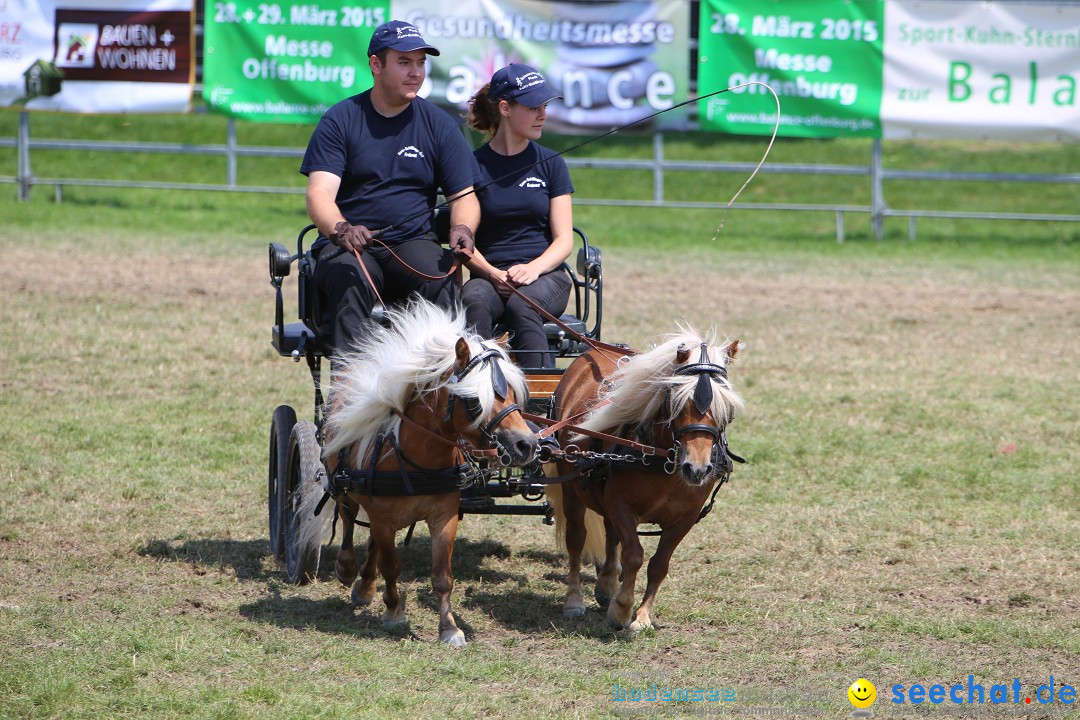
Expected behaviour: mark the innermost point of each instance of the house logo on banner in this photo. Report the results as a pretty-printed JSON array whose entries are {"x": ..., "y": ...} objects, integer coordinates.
[{"x": 76, "y": 44}]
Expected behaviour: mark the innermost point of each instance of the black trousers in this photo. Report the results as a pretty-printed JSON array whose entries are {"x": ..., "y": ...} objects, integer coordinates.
[
  {"x": 484, "y": 309},
  {"x": 345, "y": 297}
]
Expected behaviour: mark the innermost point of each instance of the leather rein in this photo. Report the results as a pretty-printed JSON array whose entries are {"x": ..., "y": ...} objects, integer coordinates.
[
  {"x": 600, "y": 347},
  {"x": 706, "y": 371}
]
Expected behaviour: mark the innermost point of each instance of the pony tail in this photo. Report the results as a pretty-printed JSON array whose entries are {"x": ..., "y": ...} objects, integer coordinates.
[{"x": 484, "y": 112}]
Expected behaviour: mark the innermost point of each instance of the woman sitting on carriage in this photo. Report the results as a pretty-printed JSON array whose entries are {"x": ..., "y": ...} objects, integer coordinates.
[{"x": 526, "y": 227}]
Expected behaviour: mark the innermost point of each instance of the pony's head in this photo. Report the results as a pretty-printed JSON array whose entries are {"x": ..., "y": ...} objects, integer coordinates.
[
  {"x": 482, "y": 407},
  {"x": 702, "y": 402},
  {"x": 427, "y": 361},
  {"x": 680, "y": 386}
]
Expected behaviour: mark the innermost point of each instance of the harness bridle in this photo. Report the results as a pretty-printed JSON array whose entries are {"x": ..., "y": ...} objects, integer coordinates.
[
  {"x": 471, "y": 405},
  {"x": 706, "y": 371}
]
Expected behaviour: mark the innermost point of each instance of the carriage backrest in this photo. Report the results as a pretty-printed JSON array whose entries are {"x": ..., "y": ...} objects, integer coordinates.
[
  {"x": 295, "y": 338},
  {"x": 584, "y": 315}
]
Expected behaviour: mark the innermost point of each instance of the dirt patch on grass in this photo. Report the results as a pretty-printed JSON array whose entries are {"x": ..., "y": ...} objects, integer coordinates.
[{"x": 78, "y": 276}]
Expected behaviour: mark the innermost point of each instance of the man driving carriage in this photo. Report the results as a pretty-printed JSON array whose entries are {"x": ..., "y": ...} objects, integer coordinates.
[{"x": 375, "y": 162}]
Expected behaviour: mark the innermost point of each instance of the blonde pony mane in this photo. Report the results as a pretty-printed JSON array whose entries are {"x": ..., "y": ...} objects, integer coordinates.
[
  {"x": 639, "y": 389},
  {"x": 399, "y": 364}
]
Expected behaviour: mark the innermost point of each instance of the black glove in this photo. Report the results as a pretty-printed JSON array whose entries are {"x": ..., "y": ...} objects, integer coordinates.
[
  {"x": 354, "y": 238},
  {"x": 462, "y": 241}
]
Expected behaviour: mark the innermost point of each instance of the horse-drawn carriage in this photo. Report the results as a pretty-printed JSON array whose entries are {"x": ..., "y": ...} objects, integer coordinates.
[
  {"x": 425, "y": 425},
  {"x": 301, "y": 340}
]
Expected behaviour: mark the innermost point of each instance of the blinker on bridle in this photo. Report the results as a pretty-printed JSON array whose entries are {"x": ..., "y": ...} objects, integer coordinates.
[{"x": 499, "y": 385}]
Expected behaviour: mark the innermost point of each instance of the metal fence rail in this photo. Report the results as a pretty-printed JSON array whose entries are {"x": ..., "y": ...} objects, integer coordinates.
[{"x": 657, "y": 164}]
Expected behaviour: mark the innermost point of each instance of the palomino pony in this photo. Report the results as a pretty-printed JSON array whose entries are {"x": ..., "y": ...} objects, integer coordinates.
[
  {"x": 671, "y": 411},
  {"x": 405, "y": 412}
]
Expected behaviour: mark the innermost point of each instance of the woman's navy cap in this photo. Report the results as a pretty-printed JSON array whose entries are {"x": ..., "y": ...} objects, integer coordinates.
[
  {"x": 522, "y": 84},
  {"x": 400, "y": 36}
]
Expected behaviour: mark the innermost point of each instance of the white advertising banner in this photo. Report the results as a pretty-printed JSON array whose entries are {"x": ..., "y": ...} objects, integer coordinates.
[
  {"x": 1006, "y": 70},
  {"x": 78, "y": 56}
]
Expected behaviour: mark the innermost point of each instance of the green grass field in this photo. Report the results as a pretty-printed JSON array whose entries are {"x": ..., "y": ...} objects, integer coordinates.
[{"x": 908, "y": 513}]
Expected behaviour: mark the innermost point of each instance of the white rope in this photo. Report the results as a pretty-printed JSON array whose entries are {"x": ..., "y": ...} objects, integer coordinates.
[{"x": 776, "y": 128}]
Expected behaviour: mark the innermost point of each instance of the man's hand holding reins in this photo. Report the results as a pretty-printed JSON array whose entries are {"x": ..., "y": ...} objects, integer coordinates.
[
  {"x": 462, "y": 241},
  {"x": 500, "y": 282},
  {"x": 352, "y": 238}
]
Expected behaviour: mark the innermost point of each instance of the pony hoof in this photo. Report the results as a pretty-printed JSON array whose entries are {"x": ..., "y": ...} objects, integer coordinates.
[
  {"x": 454, "y": 639},
  {"x": 637, "y": 626},
  {"x": 345, "y": 578},
  {"x": 394, "y": 623},
  {"x": 574, "y": 611},
  {"x": 601, "y": 599},
  {"x": 358, "y": 599}
]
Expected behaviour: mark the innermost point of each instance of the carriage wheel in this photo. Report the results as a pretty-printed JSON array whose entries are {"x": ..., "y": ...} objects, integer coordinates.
[
  {"x": 301, "y": 493},
  {"x": 280, "y": 428}
]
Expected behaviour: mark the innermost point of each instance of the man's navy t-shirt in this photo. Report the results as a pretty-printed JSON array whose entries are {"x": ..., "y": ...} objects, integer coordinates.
[
  {"x": 390, "y": 168},
  {"x": 515, "y": 199}
]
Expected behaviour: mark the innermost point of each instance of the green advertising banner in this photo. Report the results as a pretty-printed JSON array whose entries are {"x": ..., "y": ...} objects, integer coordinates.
[
  {"x": 287, "y": 61},
  {"x": 822, "y": 57}
]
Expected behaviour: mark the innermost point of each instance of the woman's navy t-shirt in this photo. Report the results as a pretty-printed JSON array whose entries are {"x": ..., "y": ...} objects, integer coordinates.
[
  {"x": 390, "y": 167},
  {"x": 515, "y": 194}
]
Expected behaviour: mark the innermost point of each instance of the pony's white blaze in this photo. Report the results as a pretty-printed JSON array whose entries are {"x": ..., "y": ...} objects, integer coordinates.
[
  {"x": 411, "y": 358},
  {"x": 640, "y": 388}
]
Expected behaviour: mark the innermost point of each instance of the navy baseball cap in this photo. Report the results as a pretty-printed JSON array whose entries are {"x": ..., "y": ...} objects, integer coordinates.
[
  {"x": 400, "y": 36},
  {"x": 521, "y": 83}
]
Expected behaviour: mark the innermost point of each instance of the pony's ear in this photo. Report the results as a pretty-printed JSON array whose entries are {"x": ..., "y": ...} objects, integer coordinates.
[
  {"x": 503, "y": 341},
  {"x": 682, "y": 354},
  {"x": 731, "y": 350},
  {"x": 462, "y": 351}
]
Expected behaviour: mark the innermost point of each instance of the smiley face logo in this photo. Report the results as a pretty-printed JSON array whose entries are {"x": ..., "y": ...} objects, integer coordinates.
[{"x": 862, "y": 693}]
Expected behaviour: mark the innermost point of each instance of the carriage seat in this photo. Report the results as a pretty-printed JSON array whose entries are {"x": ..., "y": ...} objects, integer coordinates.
[
  {"x": 561, "y": 342},
  {"x": 303, "y": 339}
]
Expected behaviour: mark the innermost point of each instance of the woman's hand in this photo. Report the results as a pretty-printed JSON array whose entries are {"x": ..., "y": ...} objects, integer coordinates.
[{"x": 522, "y": 275}]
